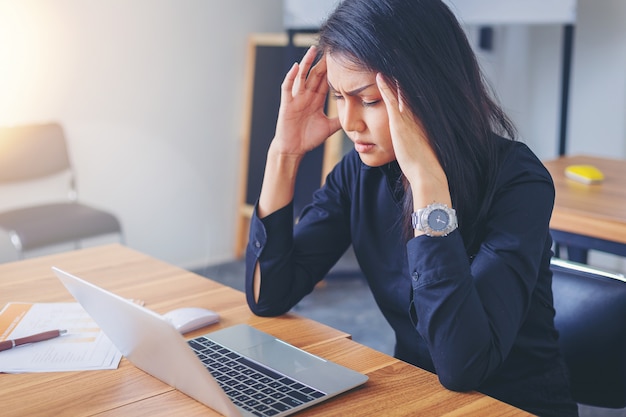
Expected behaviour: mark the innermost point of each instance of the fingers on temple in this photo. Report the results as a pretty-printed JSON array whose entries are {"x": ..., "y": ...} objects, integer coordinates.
[
  {"x": 303, "y": 69},
  {"x": 288, "y": 82},
  {"x": 388, "y": 96},
  {"x": 305, "y": 75},
  {"x": 317, "y": 77},
  {"x": 307, "y": 61},
  {"x": 392, "y": 97}
]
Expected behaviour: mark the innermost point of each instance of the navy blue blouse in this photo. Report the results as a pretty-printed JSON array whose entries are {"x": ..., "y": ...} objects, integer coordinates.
[{"x": 482, "y": 321}]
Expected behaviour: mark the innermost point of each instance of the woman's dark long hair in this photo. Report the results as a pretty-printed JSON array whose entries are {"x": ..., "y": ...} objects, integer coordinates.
[{"x": 420, "y": 45}]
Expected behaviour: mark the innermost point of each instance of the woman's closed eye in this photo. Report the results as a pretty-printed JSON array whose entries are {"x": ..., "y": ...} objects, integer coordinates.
[
  {"x": 370, "y": 103},
  {"x": 364, "y": 103}
]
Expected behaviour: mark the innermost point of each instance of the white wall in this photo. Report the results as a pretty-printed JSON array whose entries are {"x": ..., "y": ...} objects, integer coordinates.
[
  {"x": 151, "y": 95},
  {"x": 598, "y": 113},
  {"x": 514, "y": 11},
  {"x": 524, "y": 65},
  {"x": 525, "y": 69},
  {"x": 306, "y": 13}
]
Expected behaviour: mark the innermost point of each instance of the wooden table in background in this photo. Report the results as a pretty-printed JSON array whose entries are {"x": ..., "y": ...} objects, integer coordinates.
[
  {"x": 394, "y": 388},
  {"x": 589, "y": 216}
]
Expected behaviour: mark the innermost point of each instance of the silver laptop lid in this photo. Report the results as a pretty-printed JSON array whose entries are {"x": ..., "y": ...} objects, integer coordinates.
[{"x": 150, "y": 342}]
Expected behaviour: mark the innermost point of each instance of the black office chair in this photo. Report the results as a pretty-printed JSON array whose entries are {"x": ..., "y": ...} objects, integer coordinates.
[
  {"x": 33, "y": 152},
  {"x": 591, "y": 319}
]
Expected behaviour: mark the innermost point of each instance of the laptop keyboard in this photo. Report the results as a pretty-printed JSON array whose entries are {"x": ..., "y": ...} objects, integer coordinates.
[{"x": 249, "y": 385}]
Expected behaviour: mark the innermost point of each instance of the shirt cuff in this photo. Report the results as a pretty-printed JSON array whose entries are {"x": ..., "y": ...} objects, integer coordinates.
[
  {"x": 280, "y": 223},
  {"x": 432, "y": 259}
]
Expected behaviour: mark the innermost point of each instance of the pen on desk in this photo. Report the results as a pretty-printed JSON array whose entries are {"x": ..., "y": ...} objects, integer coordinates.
[{"x": 39, "y": 337}]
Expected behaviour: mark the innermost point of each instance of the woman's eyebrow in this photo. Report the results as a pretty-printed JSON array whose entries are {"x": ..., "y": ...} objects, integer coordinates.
[{"x": 354, "y": 92}]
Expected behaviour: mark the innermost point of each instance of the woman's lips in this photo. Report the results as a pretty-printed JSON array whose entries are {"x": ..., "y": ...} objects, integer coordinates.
[{"x": 362, "y": 147}]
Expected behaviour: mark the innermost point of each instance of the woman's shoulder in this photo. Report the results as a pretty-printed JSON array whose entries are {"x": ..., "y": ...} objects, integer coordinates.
[{"x": 519, "y": 160}]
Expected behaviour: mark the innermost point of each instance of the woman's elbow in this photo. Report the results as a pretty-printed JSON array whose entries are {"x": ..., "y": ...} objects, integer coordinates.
[
  {"x": 263, "y": 312},
  {"x": 458, "y": 382},
  {"x": 264, "y": 309},
  {"x": 462, "y": 378},
  {"x": 468, "y": 370}
]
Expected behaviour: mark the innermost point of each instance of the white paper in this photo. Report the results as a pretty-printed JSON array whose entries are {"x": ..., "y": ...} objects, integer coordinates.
[{"x": 83, "y": 347}]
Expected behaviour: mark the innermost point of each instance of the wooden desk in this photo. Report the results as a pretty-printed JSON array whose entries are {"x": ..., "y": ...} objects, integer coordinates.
[
  {"x": 394, "y": 388},
  {"x": 590, "y": 216}
]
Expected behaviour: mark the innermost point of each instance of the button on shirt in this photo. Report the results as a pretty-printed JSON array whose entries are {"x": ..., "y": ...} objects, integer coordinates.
[{"x": 482, "y": 322}]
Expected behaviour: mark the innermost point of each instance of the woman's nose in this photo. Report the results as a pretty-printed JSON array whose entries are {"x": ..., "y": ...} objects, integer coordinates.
[{"x": 352, "y": 119}]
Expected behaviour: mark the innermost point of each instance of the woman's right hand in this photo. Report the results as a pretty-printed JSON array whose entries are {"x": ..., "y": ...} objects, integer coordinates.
[{"x": 302, "y": 124}]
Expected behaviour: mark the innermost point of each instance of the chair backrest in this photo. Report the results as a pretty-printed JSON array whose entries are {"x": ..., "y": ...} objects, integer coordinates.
[
  {"x": 32, "y": 151},
  {"x": 591, "y": 319}
]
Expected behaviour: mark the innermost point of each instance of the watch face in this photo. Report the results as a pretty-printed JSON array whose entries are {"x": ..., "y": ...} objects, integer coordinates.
[
  {"x": 438, "y": 220},
  {"x": 435, "y": 220}
]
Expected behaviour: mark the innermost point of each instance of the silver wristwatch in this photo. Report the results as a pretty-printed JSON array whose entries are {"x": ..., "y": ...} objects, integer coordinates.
[{"x": 435, "y": 220}]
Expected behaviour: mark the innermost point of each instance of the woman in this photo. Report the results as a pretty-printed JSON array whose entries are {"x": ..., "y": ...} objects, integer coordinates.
[{"x": 447, "y": 218}]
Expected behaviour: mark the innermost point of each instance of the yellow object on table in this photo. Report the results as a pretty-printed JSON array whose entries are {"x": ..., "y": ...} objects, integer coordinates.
[{"x": 587, "y": 174}]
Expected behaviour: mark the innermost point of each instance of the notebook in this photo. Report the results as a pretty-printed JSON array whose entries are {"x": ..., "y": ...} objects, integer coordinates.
[{"x": 237, "y": 371}]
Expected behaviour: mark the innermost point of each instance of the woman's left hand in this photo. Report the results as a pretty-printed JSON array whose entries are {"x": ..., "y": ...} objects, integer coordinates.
[{"x": 415, "y": 155}]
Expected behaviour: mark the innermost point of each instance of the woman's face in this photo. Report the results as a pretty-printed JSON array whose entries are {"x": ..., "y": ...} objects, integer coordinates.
[{"x": 361, "y": 110}]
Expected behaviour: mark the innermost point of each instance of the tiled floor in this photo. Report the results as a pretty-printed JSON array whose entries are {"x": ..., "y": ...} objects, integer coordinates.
[{"x": 345, "y": 303}]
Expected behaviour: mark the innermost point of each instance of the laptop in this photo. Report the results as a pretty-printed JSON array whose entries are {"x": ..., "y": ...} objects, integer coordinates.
[{"x": 236, "y": 371}]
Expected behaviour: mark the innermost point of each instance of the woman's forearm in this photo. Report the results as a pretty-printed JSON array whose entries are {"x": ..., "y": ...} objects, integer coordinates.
[
  {"x": 279, "y": 182},
  {"x": 277, "y": 191}
]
